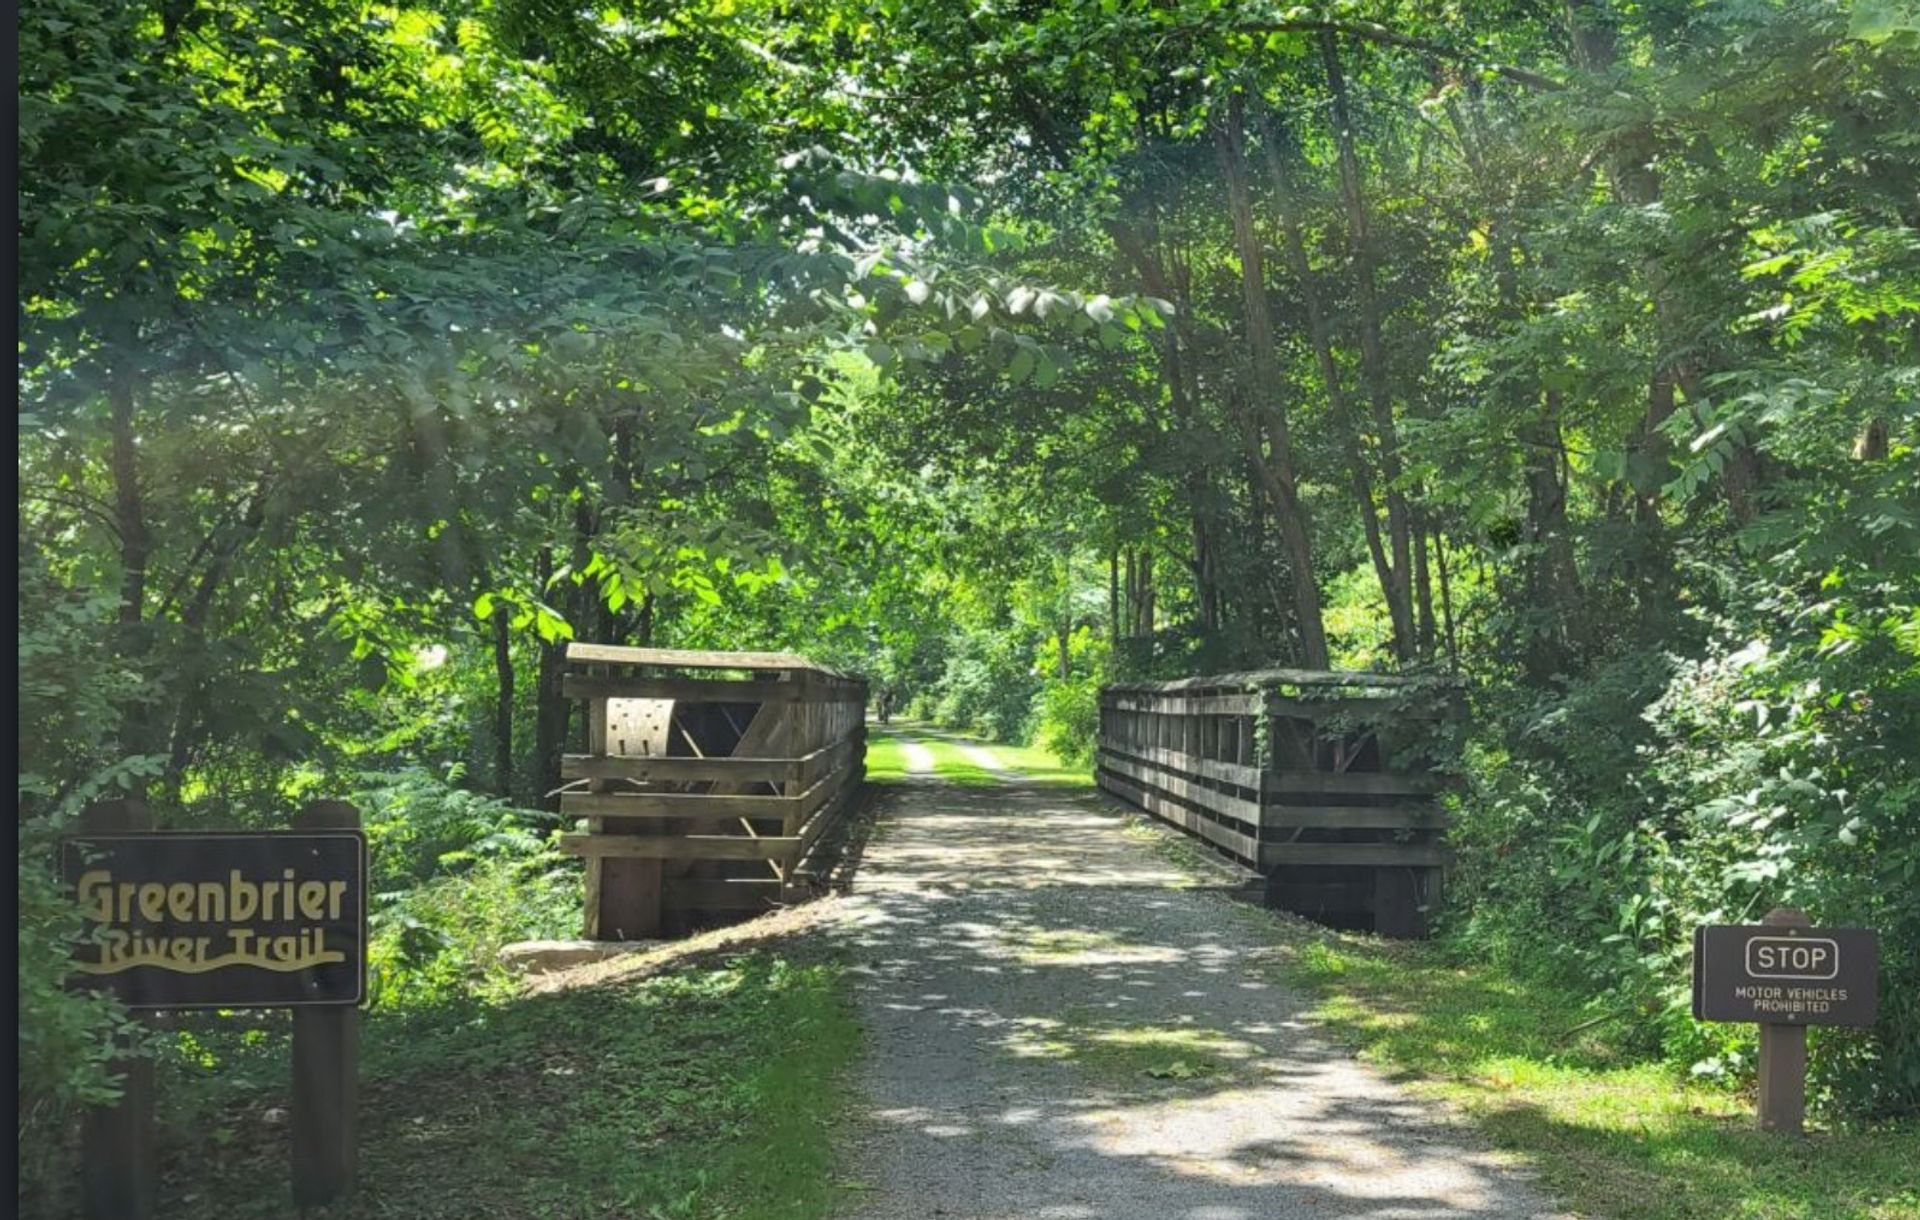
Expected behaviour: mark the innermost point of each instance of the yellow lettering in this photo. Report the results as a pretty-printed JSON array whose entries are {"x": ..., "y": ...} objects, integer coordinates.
[
  {"x": 96, "y": 895},
  {"x": 127, "y": 889},
  {"x": 313, "y": 899},
  {"x": 180, "y": 901},
  {"x": 213, "y": 902},
  {"x": 336, "y": 897},
  {"x": 246, "y": 897},
  {"x": 153, "y": 902}
]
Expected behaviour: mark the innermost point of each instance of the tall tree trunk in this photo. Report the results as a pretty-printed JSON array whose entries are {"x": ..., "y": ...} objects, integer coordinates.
[
  {"x": 1320, "y": 335},
  {"x": 1113, "y": 597},
  {"x": 129, "y": 507},
  {"x": 1373, "y": 359},
  {"x": 503, "y": 704},
  {"x": 1277, "y": 468},
  {"x": 1446, "y": 601},
  {"x": 551, "y": 709},
  {"x": 1145, "y": 251},
  {"x": 1422, "y": 585}
]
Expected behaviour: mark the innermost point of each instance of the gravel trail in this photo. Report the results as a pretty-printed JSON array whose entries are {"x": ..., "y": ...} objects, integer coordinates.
[{"x": 1061, "y": 1028}]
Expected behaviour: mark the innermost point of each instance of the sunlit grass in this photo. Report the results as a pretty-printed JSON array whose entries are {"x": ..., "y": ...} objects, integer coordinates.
[
  {"x": 1030, "y": 764},
  {"x": 1133, "y": 1056},
  {"x": 886, "y": 757},
  {"x": 952, "y": 763},
  {"x": 1611, "y": 1133}
]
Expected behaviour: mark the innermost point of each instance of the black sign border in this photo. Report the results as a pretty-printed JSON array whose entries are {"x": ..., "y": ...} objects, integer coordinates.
[{"x": 359, "y": 837}]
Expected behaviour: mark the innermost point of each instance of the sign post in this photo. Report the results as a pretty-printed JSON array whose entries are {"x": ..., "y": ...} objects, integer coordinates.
[
  {"x": 118, "y": 1170},
  {"x": 326, "y": 1069},
  {"x": 1785, "y": 974},
  {"x": 227, "y": 919},
  {"x": 1783, "y": 1055}
]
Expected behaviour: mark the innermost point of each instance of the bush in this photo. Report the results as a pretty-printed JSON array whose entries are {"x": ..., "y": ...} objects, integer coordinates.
[
  {"x": 1606, "y": 822},
  {"x": 1068, "y": 715},
  {"x": 457, "y": 875},
  {"x": 989, "y": 685}
]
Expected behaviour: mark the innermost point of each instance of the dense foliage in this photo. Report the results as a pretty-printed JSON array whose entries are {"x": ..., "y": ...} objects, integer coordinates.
[{"x": 371, "y": 352}]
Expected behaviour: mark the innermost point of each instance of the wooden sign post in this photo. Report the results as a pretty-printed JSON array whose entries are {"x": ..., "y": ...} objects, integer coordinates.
[
  {"x": 1785, "y": 974},
  {"x": 118, "y": 1169},
  {"x": 230, "y": 919},
  {"x": 1783, "y": 1054},
  {"x": 326, "y": 1066}
]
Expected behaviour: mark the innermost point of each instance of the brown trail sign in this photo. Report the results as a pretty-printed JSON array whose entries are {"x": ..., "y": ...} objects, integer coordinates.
[
  {"x": 239, "y": 919},
  {"x": 1786, "y": 975}
]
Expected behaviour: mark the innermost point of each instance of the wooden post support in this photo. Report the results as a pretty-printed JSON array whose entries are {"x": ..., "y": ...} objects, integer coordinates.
[
  {"x": 117, "y": 1163},
  {"x": 1783, "y": 1055},
  {"x": 326, "y": 1069}
]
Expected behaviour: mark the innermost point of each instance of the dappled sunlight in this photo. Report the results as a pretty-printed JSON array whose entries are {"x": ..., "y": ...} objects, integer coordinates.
[{"x": 1058, "y": 1026}]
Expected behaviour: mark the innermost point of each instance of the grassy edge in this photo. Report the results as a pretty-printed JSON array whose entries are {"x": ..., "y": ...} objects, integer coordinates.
[{"x": 1608, "y": 1133}]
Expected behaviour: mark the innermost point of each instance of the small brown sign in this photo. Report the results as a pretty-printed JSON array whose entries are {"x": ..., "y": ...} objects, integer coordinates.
[
  {"x": 242, "y": 919},
  {"x": 1785, "y": 975}
]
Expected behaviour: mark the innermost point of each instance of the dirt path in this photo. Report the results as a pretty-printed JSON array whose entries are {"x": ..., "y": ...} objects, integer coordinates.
[{"x": 1059, "y": 1031}]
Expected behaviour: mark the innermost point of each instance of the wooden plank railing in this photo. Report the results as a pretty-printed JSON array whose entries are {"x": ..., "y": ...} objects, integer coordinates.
[
  {"x": 705, "y": 795},
  {"x": 1289, "y": 773}
]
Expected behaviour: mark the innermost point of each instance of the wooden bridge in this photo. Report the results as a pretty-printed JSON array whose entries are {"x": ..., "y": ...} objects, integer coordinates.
[
  {"x": 1322, "y": 782},
  {"x": 709, "y": 782}
]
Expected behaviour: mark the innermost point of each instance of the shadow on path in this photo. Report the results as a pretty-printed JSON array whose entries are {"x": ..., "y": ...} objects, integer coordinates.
[{"x": 1059, "y": 1029}]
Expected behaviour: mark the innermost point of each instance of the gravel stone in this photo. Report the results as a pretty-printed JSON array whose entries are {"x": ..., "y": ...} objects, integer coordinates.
[{"x": 1061, "y": 1027}]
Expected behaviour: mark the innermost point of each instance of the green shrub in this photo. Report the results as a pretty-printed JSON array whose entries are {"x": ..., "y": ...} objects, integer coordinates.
[
  {"x": 989, "y": 685},
  {"x": 457, "y": 874},
  {"x": 1605, "y": 822},
  {"x": 1068, "y": 715}
]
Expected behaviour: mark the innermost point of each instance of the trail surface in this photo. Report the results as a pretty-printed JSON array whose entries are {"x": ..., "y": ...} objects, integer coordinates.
[{"x": 1062, "y": 1028}]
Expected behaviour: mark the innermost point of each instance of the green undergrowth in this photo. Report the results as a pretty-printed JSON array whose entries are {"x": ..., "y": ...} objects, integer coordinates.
[
  {"x": 1611, "y": 1133},
  {"x": 695, "y": 1095}
]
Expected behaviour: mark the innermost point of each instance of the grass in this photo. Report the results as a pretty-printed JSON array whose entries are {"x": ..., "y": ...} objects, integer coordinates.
[
  {"x": 1611, "y": 1134},
  {"x": 1133, "y": 1057},
  {"x": 886, "y": 757},
  {"x": 1033, "y": 764},
  {"x": 1039, "y": 765},
  {"x": 686, "y": 1096},
  {"x": 952, "y": 764}
]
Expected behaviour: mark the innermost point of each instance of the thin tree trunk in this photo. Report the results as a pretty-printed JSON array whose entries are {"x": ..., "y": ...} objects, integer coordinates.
[
  {"x": 1373, "y": 360},
  {"x": 1422, "y": 584},
  {"x": 551, "y": 710},
  {"x": 1446, "y": 601},
  {"x": 1320, "y": 334},
  {"x": 129, "y": 507},
  {"x": 1278, "y": 471},
  {"x": 503, "y": 704},
  {"x": 1113, "y": 597}
]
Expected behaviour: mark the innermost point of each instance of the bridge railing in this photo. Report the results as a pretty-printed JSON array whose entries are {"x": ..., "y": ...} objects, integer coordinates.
[
  {"x": 709, "y": 783},
  {"x": 1326, "y": 783}
]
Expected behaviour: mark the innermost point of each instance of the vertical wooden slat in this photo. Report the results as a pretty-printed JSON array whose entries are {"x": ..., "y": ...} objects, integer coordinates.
[{"x": 326, "y": 1070}]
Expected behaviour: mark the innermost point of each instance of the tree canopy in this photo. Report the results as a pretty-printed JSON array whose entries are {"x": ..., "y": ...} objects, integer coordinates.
[{"x": 370, "y": 352}]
